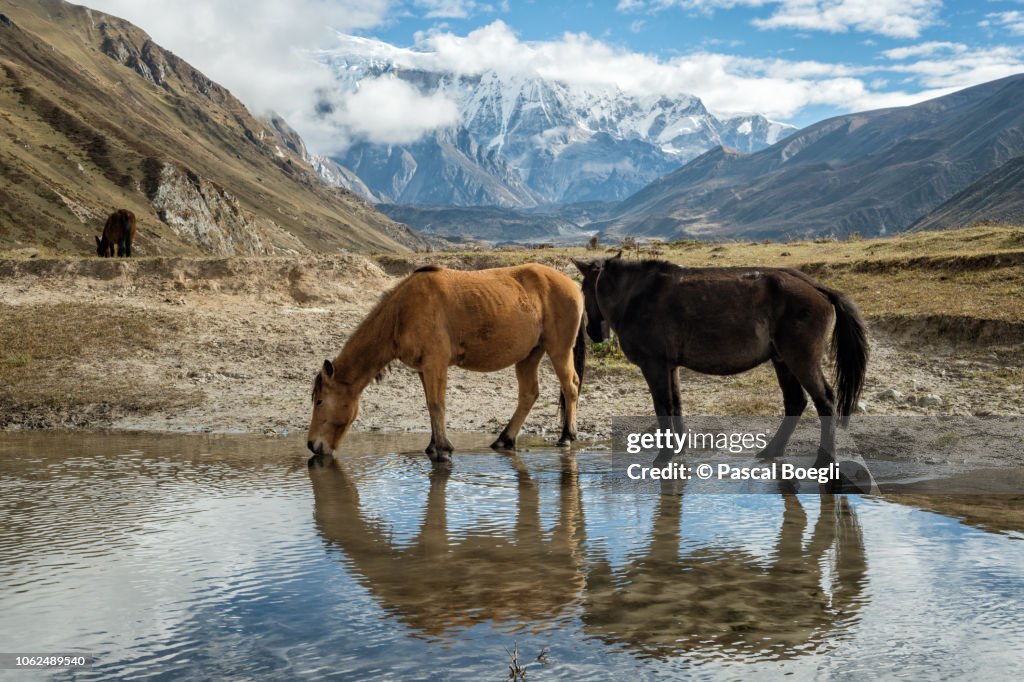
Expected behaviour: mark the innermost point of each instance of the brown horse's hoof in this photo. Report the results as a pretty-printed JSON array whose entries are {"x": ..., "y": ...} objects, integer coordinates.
[
  {"x": 564, "y": 442},
  {"x": 504, "y": 442},
  {"x": 440, "y": 458},
  {"x": 769, "y": 454},
  {"x": 439, "y": 455}
]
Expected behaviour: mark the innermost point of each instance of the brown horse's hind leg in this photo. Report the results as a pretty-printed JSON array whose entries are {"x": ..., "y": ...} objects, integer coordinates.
[
  {"x": 435, "y": 384},
  {"x": 562, "y": 361},
  {"x": 795, "y": 401},
  {"x": 529, "y": 389}
]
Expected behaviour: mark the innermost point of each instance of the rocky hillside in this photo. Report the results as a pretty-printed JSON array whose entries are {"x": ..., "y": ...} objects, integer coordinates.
[
  {"x": 996, "y": 198},
  {"x": 875, "y": 172},
  {"x": 96, "y": 116},
  {"x": 523, "y": 140}
]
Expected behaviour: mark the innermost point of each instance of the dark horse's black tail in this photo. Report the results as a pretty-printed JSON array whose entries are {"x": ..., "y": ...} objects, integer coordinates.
[
  {"x": 849, "y": 352},
  {"x": 579, "y": 361}
]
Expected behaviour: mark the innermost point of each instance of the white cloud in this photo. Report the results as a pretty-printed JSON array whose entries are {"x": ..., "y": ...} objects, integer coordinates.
[
  {"x": 446, "y": 9},
  {"x": 390, "y": 111},
  {"x": 1011, "y": 21},
  {"x": 726, "y": 83},
  {"x": 893, "y": 18},
  {"x": 259, "y": 49},
  {"x": 265, "y": 56},
  {"x": 924, "y": 49},
  {"x": 967, "y": 68}
]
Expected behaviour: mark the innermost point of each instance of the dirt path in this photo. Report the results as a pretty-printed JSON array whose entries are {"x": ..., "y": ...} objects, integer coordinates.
[{"x": 232, "y": 345}]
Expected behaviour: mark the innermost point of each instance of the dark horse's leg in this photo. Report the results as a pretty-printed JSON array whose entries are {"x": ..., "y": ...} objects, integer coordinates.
[
  {"x": 795, "y": 401},
  {"x": 663, "y": 382},
  {"x": 677, "y": 403},
  {"x": 435, "y": 384},
  {"x": 121, "y": 245},
  {"x": 660, "y": 382},
  {"x": 808, "y": 372},
  {"x": 529, "y": 389}
]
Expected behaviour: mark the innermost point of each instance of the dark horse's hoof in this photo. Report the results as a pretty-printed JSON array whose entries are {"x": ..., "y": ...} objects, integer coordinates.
[
  {"x": 504, "y": 442},
  {"x": 769, "y": 453},
  {"x": 564, "y": 442}
]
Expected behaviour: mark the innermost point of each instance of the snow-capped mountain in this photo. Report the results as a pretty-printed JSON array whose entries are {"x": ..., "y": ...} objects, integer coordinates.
[{"x": 523, "y": 141}]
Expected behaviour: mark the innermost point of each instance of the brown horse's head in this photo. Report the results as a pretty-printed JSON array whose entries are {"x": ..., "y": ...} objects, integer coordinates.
[
  {"x": 335, "y": 406},
  {"x": 591, "y": 270},
  {"x": 102, "y": 247}
]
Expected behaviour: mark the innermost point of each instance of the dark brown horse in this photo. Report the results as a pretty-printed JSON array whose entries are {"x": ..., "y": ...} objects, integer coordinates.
[
  {"x": 726, "y": 321},
  {"x": 118, "y": 233}
]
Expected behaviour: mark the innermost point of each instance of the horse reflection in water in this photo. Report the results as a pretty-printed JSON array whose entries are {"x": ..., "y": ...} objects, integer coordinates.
[
  {"x": 710, "y": 601},
  {"x": 725, "y": 602},
  {"x": 436, "y": 584}
]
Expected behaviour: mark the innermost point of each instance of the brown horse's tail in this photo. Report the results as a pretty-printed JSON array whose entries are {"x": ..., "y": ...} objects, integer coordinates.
[
  {"x": 579, "y": 361},
  {"x": 849, "y": 352}
]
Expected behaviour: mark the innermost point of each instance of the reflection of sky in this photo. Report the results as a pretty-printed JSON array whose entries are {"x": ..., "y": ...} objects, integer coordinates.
[{"x": 210, "y": 580}]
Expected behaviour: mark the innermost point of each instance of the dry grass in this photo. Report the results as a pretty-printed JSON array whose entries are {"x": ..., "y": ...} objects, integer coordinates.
[
  {"x": 43, "y": 344},
  {"x": 975, "y": 272}
]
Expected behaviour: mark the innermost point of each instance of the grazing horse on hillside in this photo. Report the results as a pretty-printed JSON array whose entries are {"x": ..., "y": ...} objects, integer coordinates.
[
  {"x": 726, "y": 321},
  {"x": 483, "y": 321},
  {"x": 119, "y": 233}
]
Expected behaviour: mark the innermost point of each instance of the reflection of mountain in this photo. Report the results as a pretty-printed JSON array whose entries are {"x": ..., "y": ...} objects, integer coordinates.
[
  {"x": 439, "y": 584},
  {"x": 722, "y": 599}
]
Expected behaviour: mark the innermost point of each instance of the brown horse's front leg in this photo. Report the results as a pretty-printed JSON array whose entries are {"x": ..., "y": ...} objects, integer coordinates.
[{"x": 435, "y": 384}]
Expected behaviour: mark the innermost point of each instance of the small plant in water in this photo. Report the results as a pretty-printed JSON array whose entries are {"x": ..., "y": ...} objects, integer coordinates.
[{"x": 517, "y": 671}]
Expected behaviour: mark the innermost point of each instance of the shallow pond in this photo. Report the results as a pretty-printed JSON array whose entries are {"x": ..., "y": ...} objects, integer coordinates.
[{"x": 226, "y": 556}]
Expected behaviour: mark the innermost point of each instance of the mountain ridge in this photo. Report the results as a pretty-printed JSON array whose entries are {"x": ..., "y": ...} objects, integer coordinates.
[
  {"x": 524, "y": 141},
  {"x": 98, "y": 116},
  {"x": 872, "y": 172}
]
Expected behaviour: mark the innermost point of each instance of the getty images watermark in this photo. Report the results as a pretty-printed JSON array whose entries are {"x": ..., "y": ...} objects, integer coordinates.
[
  {"x": 668, "y": 440},
  {"x": 942, "y": 454}
]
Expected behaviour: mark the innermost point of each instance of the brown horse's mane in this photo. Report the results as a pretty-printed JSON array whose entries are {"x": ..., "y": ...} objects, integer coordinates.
[{"x": 381, "y": 322}]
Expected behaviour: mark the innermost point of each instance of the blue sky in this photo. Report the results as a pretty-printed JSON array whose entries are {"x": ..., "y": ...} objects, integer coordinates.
[{"x": 796, "y": 61}]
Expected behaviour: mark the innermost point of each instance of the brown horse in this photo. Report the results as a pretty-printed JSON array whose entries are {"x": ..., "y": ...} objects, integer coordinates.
[
  {"x": 726, "y": 321},
  {"x": 119, "y": 233},
  {"x": 482, "y": 321}
]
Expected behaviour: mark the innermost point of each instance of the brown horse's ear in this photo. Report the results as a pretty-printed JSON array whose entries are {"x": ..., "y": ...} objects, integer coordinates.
[
  {"x": 98, "y": 242},
  {"x": 328, "y": 369},
  {"x": 616, "y": 256}
]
